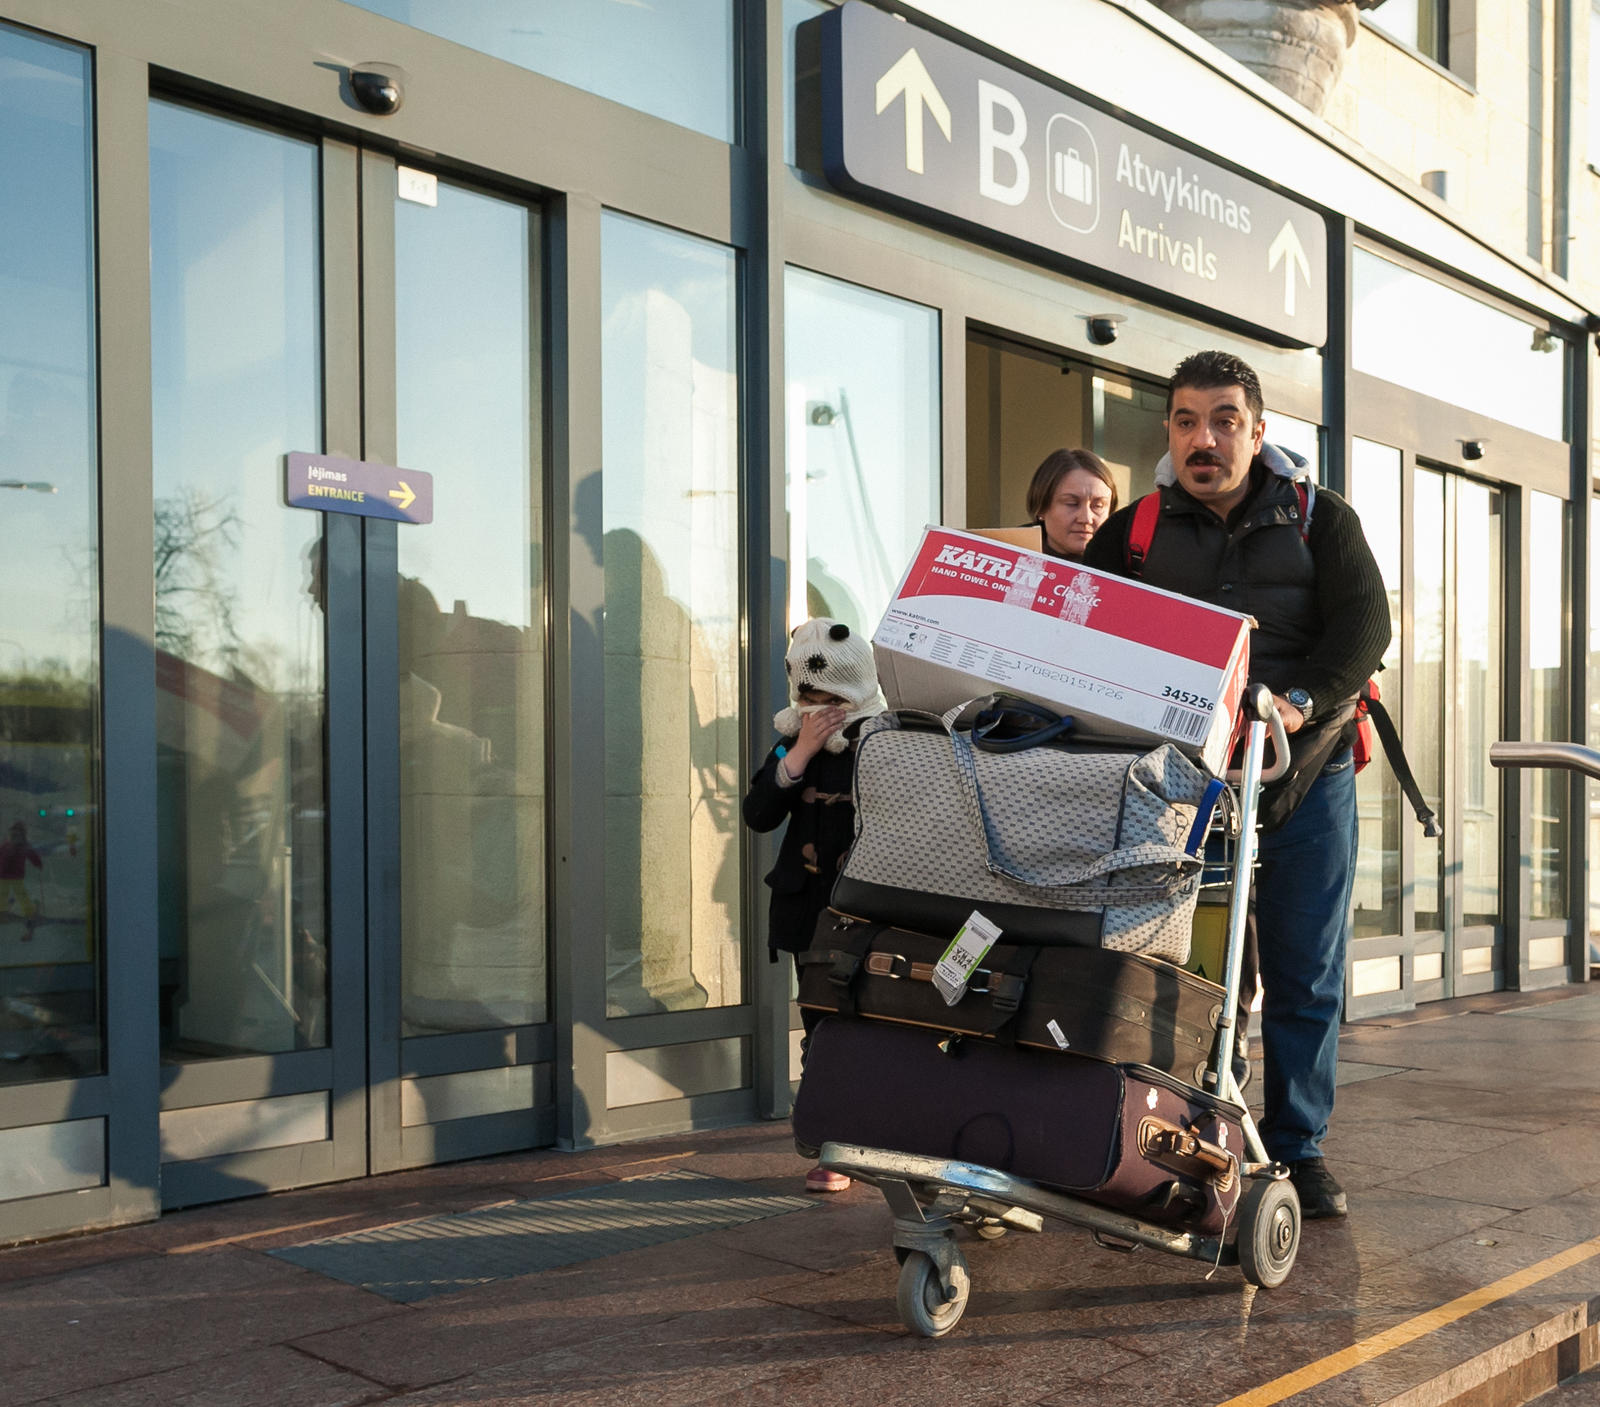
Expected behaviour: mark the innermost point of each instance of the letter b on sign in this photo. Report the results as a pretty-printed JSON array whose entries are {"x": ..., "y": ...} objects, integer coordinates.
[
  {"x": 1074, "y": 173},
  {"x": 994, "y": 142}
]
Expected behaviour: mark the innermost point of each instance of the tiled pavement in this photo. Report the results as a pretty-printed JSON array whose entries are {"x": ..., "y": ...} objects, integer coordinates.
[{"x": 1468, "y": 1136}]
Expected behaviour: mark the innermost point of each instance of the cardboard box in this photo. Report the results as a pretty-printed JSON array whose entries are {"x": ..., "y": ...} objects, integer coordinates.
[
  {"x": 1029, "y": 538},
  {"x": 973, "y": 616}
]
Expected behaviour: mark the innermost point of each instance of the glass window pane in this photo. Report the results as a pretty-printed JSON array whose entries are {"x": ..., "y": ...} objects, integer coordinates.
[
  {"x": 1594, "y": 82},
  {"x": 1419, "y": 334},
  {"x": 1301, "y": 436},
  {"x": 1375, "y": 495},
  {"x": 472, "y": 662},
  {"x": 669, "y": 511},
  {"x": 671, "y": 60},
  {"x": 1547, "y": 712},
  {"x": 50, "y": 940},
  {"x": 862, "y": 444},
  {"x": 1129, "y": 432},
  {"x": 1428, "y": 686},
  {"x": 1419, "y": 23},
  {"x": 1479, "y": 704},
  {"x": 235, "y": 245}
]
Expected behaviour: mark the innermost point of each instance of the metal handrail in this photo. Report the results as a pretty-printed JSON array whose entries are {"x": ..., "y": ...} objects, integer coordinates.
[{"x": 1570, "y": 756}]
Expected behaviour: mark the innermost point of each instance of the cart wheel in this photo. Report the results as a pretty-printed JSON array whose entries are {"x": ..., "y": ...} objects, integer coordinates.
[
  {"x": 1269, "y": 1232},
  {"x": 923, "y": 1308},
  {"x": 991, "y": 1230}
]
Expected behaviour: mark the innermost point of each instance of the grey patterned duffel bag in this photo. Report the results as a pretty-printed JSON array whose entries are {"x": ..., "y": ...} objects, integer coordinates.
[{"x": 1059, "y": 843}]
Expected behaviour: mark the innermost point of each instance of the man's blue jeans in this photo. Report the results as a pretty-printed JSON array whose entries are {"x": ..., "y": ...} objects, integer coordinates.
[{"x": 1302, "y": 892}]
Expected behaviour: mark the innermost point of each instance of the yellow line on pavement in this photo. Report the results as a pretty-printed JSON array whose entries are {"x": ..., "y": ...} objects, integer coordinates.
[{"x": 1422, "y": 1325}]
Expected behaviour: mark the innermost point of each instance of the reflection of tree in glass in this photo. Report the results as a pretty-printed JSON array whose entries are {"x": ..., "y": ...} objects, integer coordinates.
[{"x": 196, "y": 598}]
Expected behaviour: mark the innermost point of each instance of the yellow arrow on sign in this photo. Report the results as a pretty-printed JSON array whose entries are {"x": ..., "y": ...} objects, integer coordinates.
[
  {"x": 910, "y": 77},
  {"x": 404, "y": 494}
]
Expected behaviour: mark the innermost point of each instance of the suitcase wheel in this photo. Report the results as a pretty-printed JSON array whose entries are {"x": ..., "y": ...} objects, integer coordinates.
[
  {"x": 1269, "y": 1232},
  {"x": 925, "y": 1308}
]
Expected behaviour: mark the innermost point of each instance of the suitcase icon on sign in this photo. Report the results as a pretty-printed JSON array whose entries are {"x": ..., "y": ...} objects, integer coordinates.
[
  {"x": 1074, "y": 173},
  {"x": 1074, "y": 177}
]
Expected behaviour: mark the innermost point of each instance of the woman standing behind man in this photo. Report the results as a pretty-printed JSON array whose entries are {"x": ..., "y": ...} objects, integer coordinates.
[{"x": 1071, "y": 495}]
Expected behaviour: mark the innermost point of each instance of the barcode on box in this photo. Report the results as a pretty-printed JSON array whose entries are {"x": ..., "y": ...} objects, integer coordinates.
[{"x": 1183, "y": 723}]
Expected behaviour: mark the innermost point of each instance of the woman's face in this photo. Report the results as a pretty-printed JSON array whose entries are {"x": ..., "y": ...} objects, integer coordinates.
[{"x": 1082, "y": 502}]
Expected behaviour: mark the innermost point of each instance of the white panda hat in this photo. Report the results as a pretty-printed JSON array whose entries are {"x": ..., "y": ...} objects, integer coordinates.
[{"x": 828, "y": 656}]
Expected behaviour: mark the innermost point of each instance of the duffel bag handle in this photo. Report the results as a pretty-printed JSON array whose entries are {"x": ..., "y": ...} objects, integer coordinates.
[
  {"x": 993, "y": 712},
  {"x": 1007, "y": 712}
]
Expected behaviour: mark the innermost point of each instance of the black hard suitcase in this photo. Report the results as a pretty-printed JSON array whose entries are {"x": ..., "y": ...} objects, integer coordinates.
[
  {"x": 1114, "y": 1006},
  {"x": 1122, "y": 1136}
]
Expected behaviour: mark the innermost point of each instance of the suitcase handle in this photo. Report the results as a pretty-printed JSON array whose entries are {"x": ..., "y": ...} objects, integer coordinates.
[{"x": 1185, "y": 1152}]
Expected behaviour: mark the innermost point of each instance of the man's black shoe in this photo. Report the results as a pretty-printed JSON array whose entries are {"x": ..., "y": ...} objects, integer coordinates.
[{"x": 1320, "y": 1194}]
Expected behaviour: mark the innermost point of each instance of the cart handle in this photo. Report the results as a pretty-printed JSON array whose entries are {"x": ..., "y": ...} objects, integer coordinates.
[
  {"x": 1570, "y": 756},
  {"x": 1258, "y": 706}
]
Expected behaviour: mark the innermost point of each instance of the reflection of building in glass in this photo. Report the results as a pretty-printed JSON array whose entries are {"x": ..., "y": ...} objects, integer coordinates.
[
  {"x": 472, "y": 822},
  {"x": 671, "y": 557}
]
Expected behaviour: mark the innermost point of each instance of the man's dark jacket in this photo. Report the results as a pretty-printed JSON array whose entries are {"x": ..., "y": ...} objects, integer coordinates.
[{"x": 1319, "y": 600}]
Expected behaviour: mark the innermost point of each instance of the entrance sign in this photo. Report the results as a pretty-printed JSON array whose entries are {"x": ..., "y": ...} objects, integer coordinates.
[
  {"x": 910, "y": 119},
  {"x": 360, "y": 487}
]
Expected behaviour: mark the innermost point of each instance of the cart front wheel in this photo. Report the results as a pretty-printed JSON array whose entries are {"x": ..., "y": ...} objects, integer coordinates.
[
  {"x": 1269, "y": 1232},
  {"x": 923, "y": 1306}
]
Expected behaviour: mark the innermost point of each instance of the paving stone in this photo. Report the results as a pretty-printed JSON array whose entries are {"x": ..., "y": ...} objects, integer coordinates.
[
  {"x": 1538, "y": 1168},
  {"x": 267, "y": 1377},
  {"x": 136, "y": 1317},
  {"x": 453, "y": 1335},
  {"x": 685, "y": 1360}
]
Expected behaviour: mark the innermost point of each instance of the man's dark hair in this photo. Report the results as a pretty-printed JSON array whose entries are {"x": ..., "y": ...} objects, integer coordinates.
[{"x": 1205, "y": 371}]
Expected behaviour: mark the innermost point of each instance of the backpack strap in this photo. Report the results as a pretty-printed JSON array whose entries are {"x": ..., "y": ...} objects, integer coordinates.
[
  {"x": 1142, "y": 532},
  {"x": 1306, "y": 491},
  {"x": 1389, "y": 736}
]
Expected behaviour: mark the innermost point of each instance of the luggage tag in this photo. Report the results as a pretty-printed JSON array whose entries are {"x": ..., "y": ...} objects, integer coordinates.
[{"x": 960, "y": 960}]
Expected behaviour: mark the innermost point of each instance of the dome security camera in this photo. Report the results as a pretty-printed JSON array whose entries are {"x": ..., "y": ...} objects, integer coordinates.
[
  {"x": 1103, "y": 328},
  {"x": 378, "y": 87},
  {"x": 1472, "y": 449}
]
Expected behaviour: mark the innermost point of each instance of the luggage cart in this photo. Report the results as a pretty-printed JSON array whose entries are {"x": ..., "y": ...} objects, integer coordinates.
[{"x": 931, "y": 1197}]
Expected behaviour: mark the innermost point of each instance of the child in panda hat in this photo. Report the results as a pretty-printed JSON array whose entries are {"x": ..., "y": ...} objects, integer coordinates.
[{"x": 806, "y": 780}]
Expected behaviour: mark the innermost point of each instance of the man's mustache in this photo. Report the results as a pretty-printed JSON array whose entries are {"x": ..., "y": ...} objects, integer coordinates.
[{"x": 1204, "y": 456}]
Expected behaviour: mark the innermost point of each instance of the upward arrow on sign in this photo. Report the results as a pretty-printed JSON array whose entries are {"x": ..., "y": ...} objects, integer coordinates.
[
  {"x": 909, "y": 76},
  {"x": 1287, "y": 250}
]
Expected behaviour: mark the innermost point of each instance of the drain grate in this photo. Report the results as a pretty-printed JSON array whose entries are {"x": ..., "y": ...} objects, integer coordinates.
[{"x": 439, "y": 1255}]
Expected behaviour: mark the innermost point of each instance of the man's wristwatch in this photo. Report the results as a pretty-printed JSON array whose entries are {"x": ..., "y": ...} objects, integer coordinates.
[{"x": 1301, "y": 700}]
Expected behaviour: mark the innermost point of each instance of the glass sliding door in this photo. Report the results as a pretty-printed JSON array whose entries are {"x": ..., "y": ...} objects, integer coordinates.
[
  {"x": 1427, "y": 920},
  {"x": 1428, "y": 666},
  {"x": 51, "y": 948},
  {"x": 471, "y": 618},
  {"x": 1479, "y": 702},
  {"x": 236, "y": 364},
  {"x": 1375, "y": 476}
]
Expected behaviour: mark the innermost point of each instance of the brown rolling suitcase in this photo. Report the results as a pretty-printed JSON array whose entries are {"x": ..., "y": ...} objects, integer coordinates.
[
  {"x": 1119, "y": 1007},
  {"x": 1122, "y": 1136}
]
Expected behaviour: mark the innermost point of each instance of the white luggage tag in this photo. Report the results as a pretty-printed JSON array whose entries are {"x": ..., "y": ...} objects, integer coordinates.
[{"x": 967, "y": 949}]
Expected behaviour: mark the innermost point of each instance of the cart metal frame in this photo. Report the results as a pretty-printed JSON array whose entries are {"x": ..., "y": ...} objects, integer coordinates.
[{"x": 931, "y": 1197}]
